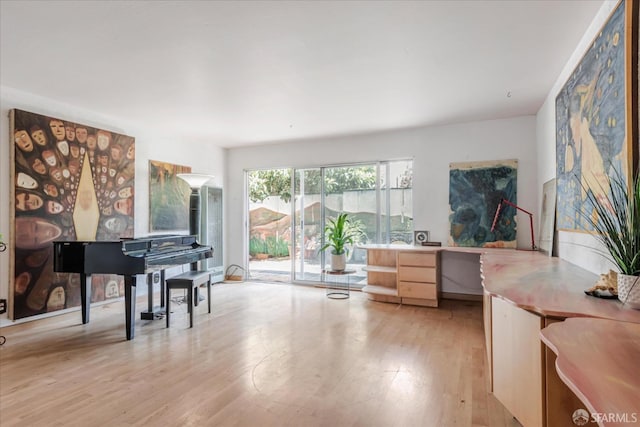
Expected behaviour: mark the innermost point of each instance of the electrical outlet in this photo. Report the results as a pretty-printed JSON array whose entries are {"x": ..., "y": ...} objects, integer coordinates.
[{"x": 3, "y": 306}]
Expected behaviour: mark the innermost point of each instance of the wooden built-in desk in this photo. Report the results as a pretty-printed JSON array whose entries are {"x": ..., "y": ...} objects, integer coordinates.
[
  {"x": 408, "y": 274},
  {"x": 524, "y": 293},
  {"x": 598, "y": 360}
]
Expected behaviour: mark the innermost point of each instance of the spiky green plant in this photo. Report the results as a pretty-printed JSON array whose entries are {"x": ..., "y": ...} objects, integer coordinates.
[
  {"x": 617, "y": 222},
  {"x": 339, "y": 233}
]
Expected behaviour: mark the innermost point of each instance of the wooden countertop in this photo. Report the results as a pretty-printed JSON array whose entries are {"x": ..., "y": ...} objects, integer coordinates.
[
  {"x": 548, "y": 286},
  {"x": 598, "y": 360},
  {"x": 399, "y": 247}
]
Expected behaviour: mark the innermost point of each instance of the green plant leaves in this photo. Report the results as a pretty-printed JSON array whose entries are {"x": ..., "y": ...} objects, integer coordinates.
[
  {"x": 339, "y": 233},
  {"x": 617, "y": 221}
]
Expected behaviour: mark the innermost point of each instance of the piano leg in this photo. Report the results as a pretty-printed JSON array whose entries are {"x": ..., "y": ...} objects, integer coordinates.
[
  {"x": 130, "y": 304},
  {"x": 150, "y": 294},
  {"x": 153, "y": 312},
  {"x": 85, "y": 296}
]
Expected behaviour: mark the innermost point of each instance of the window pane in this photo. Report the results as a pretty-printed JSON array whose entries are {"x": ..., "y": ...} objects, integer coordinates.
[
  {"x": 307, "y": 224},
  {"x": 401, "y": 202},
  {"x": 269, "y": 224},
  {"x": 352, "y": 189}
]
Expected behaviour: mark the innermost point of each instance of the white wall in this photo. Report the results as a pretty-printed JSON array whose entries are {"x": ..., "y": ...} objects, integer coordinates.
[
  {"x": 578, "y": 248},
  {"x": 431, "y": 148},
  {"x": 202, "y": 158}
]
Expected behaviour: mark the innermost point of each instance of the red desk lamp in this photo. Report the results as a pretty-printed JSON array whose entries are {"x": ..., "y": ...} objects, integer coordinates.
[{"x": 495, "y": 219}]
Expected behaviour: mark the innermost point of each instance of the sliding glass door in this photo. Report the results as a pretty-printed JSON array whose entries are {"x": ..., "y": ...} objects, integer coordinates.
[
  {"x": 269, "y": 225},
  {"x": 377, "y": 196},
  {"x": 308, "y": 224},
  {"x": 289, "y": 209}
]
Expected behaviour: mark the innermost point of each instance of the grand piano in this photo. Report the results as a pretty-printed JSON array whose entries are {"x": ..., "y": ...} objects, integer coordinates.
[{"x": 126, "y": 257}]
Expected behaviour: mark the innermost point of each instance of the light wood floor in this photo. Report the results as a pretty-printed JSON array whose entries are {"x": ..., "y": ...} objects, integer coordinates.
[{"x": 268, "y": 355}]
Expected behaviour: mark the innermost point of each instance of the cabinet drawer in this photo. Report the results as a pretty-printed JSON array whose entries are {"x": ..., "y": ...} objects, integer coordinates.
[
  {"x": 417, "y": 274},
  {"x": 417, "y": 259},
  {"x": 417, "y": 290}
]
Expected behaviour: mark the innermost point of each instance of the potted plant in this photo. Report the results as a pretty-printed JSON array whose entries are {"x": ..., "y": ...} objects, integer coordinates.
[
  {"x": 339, "y": 233},
  {"x": 616, "y": 221}
]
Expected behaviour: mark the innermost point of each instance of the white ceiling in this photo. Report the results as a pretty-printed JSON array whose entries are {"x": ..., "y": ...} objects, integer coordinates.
[{"x": 236, "y": 73}]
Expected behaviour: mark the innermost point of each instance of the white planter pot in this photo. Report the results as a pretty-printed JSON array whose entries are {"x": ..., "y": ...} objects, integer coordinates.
[
  {"x": 629, "y": 290},
  {"x": 338, "y": 262}
]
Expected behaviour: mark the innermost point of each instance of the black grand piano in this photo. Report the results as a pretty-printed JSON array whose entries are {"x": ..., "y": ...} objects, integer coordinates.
[{"x": 126, "y": 257}]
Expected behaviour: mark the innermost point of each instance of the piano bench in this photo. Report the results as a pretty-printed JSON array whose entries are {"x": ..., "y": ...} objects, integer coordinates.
[{"x": 191, "y": 281}]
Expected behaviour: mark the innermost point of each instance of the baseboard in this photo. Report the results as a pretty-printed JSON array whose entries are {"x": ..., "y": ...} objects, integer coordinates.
[{"x": 461, "y": 297}]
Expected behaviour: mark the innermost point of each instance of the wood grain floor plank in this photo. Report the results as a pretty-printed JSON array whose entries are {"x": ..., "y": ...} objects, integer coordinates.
[{"x": 267, "y": 355}]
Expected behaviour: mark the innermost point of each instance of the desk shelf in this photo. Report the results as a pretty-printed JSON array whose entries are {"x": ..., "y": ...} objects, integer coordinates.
[
  {"x": 380, "y": 290},
  {"x": 380, "y": 269},
  {"x": 402, "y": 274}
]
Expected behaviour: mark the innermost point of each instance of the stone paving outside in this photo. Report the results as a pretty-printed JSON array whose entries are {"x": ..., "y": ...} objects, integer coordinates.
[{"x": 279, "y": 270}]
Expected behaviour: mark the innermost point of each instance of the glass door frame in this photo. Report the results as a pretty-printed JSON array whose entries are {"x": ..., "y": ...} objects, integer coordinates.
[
  {"x": 380, "y": 233},
  {"x": 294, "y": 226}
]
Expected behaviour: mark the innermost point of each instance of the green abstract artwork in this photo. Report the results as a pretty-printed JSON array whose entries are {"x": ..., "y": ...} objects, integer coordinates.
[{"x": 475, "y": 191}]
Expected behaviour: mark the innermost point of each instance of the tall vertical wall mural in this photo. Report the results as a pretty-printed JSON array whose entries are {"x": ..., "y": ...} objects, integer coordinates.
[
  {"x": 593, "y": 124},
  {"x": 71, "y": 182},
  {"x": 475, "y": 190},
  {"x": 168, "y": 197}
]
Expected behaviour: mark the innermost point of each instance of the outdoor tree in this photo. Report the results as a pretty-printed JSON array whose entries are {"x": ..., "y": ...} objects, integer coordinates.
[
  {"x": 273, "y": 182},
  {"x": 277, "y": 182}
]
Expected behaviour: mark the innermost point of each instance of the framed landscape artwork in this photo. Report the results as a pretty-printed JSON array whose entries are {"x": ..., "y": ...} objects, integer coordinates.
[
  {"x": 168, "y": 197},
  {"x": 593, "y": 121},
  {"x": 475, "y": 191},
  {"x": 70, "y": 182}
]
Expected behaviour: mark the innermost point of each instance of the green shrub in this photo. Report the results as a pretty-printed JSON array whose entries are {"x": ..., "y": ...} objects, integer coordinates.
[
  {"x": 277, "y": 247},
  {"x": 257, "y": 246}
]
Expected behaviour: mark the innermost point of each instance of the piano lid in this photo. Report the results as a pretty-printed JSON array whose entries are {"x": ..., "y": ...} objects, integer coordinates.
[{"x": 127, "y": 256}]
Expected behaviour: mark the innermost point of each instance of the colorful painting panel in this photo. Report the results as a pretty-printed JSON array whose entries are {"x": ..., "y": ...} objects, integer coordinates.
[
  {"x": 475, "y": 191},
  {"x": 71, "y": 182},
  {"x": 168, "y": 197},
  {"x": 592, "y": 127}
]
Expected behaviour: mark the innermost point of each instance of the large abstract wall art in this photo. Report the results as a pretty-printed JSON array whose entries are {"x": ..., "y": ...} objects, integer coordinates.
[
  {"x": 70, "y": 182},
  {"x": 475, "y": 191}
]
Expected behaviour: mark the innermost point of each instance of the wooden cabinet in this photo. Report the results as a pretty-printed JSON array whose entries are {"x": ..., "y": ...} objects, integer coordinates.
[
  {"x": 522, "y": 369},
  {"x": 418, "y": 277},
  {"x": 404, "y": 275},
  {"x": 518, "y": 362}
]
